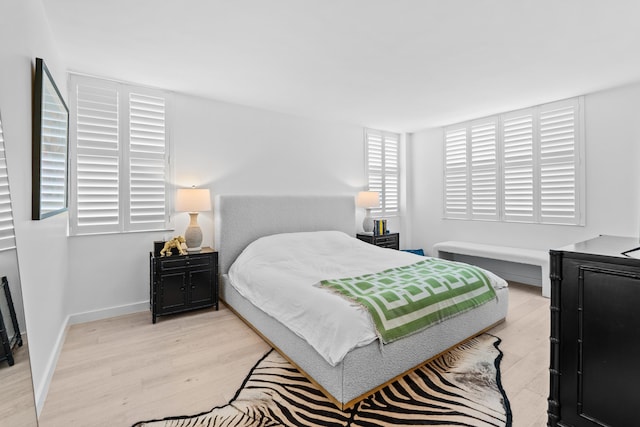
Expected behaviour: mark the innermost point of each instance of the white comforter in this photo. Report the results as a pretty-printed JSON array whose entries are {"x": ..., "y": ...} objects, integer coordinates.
[{"x": 278, "y": 273}]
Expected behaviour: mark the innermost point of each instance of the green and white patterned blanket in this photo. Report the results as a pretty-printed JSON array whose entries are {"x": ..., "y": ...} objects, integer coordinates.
[{"x": 407, "y": 299}]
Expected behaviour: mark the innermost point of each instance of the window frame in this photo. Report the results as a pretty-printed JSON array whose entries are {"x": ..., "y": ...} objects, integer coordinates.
[
  {"x": 124, "y": 223},
  {"x": 462, "y": 207}
]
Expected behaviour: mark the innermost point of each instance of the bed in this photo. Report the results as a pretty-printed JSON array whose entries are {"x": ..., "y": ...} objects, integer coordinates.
[{"x": 240, "y": 220}]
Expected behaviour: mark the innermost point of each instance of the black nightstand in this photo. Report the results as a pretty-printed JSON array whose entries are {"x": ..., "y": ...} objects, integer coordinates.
[
  {"x": 182, "y": 282},
  {"x": 390, "y": 240}
]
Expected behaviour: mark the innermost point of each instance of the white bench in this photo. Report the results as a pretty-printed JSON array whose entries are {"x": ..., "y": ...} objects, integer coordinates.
[{"x": 503, "y": 253}]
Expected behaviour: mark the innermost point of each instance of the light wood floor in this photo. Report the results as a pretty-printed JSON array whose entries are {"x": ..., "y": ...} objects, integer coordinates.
[
  {"x": 525, "y": 365},
  {"x": 117, "y": 371},
  {"x": 17, "y": 407}
]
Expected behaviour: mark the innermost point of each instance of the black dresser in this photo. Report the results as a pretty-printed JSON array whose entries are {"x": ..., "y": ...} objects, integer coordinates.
[
  {"x": 595, "y": 334},
  {"x": 182, "y": 282}
]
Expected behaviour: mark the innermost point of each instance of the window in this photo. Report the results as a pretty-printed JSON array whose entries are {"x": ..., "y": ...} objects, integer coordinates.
[
  {"x": 522, "y": 166},
  {"x": 119, "y": 157},
  {"x": 7, "y": 235},
  {"x": 383, "y": 170}
]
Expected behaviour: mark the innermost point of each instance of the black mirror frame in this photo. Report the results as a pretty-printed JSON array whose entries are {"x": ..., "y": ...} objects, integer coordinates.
[{"x": 42, "y": 76}]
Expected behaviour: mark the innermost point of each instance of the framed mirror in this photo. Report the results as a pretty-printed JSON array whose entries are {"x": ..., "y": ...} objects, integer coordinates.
[
  {"x": 17, "y": 405},
  {"x": 49, "y": 195}
]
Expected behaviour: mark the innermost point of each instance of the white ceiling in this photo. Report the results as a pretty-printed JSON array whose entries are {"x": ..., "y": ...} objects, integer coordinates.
[{"x": 399, "y": 65}]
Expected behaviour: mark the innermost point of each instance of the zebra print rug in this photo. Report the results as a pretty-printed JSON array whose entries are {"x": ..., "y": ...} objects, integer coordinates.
[{"x": 460, "y": 388}]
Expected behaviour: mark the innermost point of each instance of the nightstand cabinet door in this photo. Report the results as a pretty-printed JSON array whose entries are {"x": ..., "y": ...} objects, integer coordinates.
[
  {"x": 183, "y": 282},
  {"x": 172, "y": 291},
  {"x": 201, "y": 292}
]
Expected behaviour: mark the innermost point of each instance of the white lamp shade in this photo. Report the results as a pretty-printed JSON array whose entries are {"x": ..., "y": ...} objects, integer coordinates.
[
  {"x": 193, "y": 200},
  {"x": 368, "y": 199}
]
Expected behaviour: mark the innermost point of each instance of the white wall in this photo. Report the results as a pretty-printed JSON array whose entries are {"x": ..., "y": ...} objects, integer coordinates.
[
  {"x": 230, "y": 149},
  {"x": 42, "y": 245},
  {"x": 612, "y": 183}
]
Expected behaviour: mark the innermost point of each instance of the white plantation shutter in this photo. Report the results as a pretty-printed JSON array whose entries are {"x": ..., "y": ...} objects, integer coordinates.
[
  {"x": 391, "y": 190},
  {"x": 374, "y": 166},
  {"x": 455, "y": 171},
  {"x": 7, "y": 235},
  {"x": 97, "y": 160},
  {"x": 383, "y": 170},
  {"x": 518, "y": 169},
  {"x": 121, "y": 158},
  {"x": 523, "y": 166},
  {"x": 484, "y": 170},
  {"x": 559, "y": 158},
  {"x": 147, "y": 162},
  {"x": 471, "y": 170}
]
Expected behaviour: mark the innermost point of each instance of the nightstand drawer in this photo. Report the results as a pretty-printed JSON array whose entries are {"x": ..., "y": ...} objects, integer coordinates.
[
  {"x": 169, "y": 263},
  {"x": 391, "y": 240},
  {"x": 386, "y": 240},
  {"x": 181, "y": 261},
  {"x": 198, "y": 261}
]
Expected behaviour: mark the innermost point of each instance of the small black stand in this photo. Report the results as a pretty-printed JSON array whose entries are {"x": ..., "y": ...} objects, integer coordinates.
[{"x": 8, "y": 339}]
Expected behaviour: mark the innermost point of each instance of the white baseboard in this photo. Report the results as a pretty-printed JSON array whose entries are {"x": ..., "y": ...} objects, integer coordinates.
[
  {"x": 73, "y": 319},
  {"x": 105, "y": 313},
  {"x": 43, "y": 389}
]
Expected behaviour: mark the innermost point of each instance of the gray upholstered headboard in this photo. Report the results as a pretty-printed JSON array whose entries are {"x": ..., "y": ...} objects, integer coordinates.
[{"x": 239, "y": 220}]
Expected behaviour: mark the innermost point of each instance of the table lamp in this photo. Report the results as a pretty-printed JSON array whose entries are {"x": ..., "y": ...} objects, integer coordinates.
[
  {"x": 368, "y": 200},
  {"x": 193, "y": 200}
]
